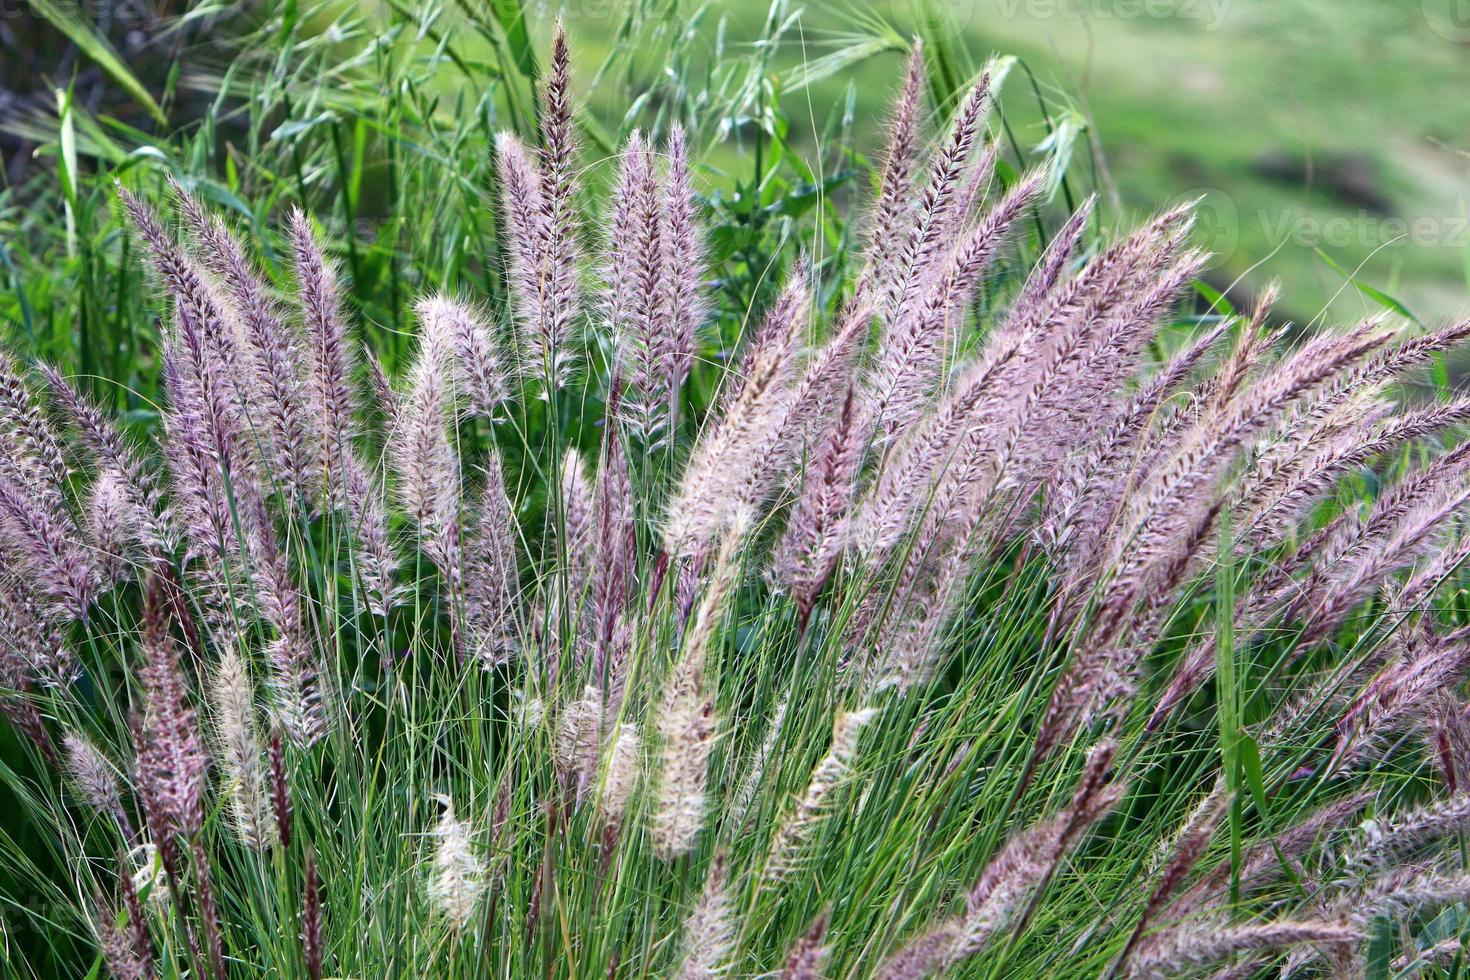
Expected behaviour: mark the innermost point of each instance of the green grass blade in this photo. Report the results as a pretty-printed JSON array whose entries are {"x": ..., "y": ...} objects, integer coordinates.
[{"x": 96, "y": 47}]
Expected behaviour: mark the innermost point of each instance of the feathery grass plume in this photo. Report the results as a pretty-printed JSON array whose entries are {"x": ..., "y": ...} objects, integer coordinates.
[
  {"x": 893, "y": 378},
  {"x": 891, "y": 217},
  {"x": 924, "y": 955},
  {"x": 18, "y": 697},
  {"x": 1344, "y": 568},
  {"x": 424, "y": 459},
  {"x": 528, "y": 710},
  {"x": 635, "y": 181},
  {"x": 778, "y": 334},
  {"x": 113, "y": 523},
  {"x": 275, "y": 355},
  {"x": 118, "y": 945},
  {"x": 638, "y": 308},
  {"x": 478, "y": 373},
  {"x": 171, "y": 761},
  {"x": 798, "y": 825},
  {"x": 1397, "y": 697},
  {"x": 1099, "y": 325},
  {"x": 936, "y": 200},
  {"x": 1447, "y": 732},
  {"x": 977, "y": 394},
  {"x": 171, "y": 768},
  {"x": 653, "y": 302},
  {"x": 807, "y": 959},
  {"x": 686, "y": 727},
  {"x": 1190, "y": 846},
  {"x": 1299, "y": 471},
  {"x": 910, "y": 359},
  {"x": 95, "y": 780},
  {"x": 686, "y": 719},
  {"x": 1047, "y": 289},
  {"x": 1023, "y": 864},
  {"x": 1441, "y": 955},
  {"x": 684, "y": 266},
  {"x": 930, "y": 583},
  {"x": 376, "y": 564},
  {"x": 1082, "y": 502},
  {"x": 114, "y": 451},
  {"x": 538, "y": 283},
  {"x": 1183, "y": 949},
  {"x": 1403, "y": 890},
  {"x": 1304, "y": 458},
  {"x": 578, "y": 741},
  {"x": 329, "y": 352},
  {"x": 578, "y": 534},
  {"x": 615, "y": 534},
  {"x": 382, "y": 387},
  {"x": 1266, "y": 860},
  {"x": 35, "y": 519},
  {"x": 297, "y": 701},
  {"x": 1362, "y": 568},
  {"x": 1317, "y": 412},
  {"x": 278, "y": 601},
  {"x": 1168, "y": 509},
  {"x": 558, "y": 173},
  {"x": 457, "y": 875},
  {"x": 1171, "y": 517},
  {"x": 717, "y": 479},
  {"x": 1428, "y": 576},
  {"x": 312, "y": 950},
  {"x": 207, "y": 513},
  {"x": 1381, "y": 841},
  {"x": 755, "y": 771},
  {"x": 1060, "y": 409},
  {"x": 280, "y": 788},
  {"x": 142, "y": 942},
  {"x": 490, "y": 576},
  {"x": 710, "y": 928},
  {"x": 33, "y": 638},
  {"x": 209, "y": 914},
  {"x": 33, "y": 449},
  {"x": 1030, "y": 857},
  {"x": 206, "y": 426},
  {"x": 1341, "y": 548},
  {"x": 1055, "y": 318},
  {"x": 238, "y": 751},
  {"x": 622, "y": 766},
  {"x": 816, "y": 530},
  {"x": 207, "y": 381},
  {"x": 813, "y": 401},
  {"x": 883, "y": 517},
  {"x": 330, "y": 359},
  {"x": 49, "y": 543}
]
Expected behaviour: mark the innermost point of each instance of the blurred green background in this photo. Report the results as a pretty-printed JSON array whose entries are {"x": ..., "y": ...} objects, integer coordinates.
[
  {"x": 1327, "y": 136},
  {"x": 1329, "y": 139}
]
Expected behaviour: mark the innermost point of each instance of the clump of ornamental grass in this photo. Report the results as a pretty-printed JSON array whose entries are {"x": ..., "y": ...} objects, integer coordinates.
[{"x": 1026, "y": 636}]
